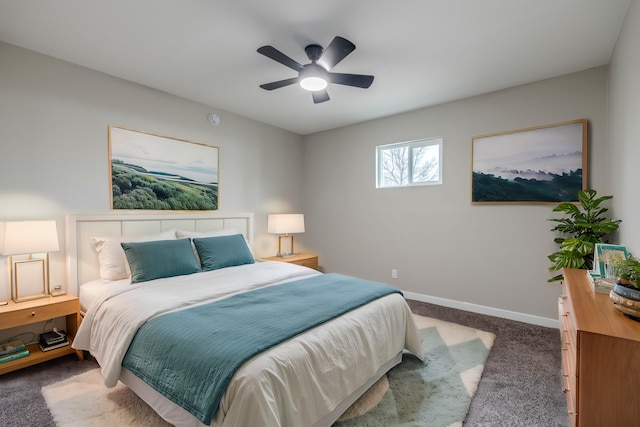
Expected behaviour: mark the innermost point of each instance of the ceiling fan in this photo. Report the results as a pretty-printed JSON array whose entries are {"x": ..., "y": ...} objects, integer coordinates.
[{"x": 316, "y": 75}]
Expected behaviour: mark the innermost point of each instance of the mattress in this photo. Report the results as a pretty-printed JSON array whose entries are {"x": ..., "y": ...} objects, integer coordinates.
[{"x": 91, "y": 291}]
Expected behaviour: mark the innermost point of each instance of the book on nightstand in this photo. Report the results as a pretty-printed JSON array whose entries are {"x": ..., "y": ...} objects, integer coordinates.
[
  {"x": 10, "y": 347},
  {"x": 53, "y": 337},
  {"x": 45, "y": 347},
  {"x": 52, "y": 340},
  {"x": 13, "y": 356}
]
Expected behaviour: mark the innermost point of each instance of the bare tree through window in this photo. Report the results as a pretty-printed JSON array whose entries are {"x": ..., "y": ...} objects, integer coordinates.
[
  {"x": 396, "y": 167},
  {"x": 409, "y": 163}
]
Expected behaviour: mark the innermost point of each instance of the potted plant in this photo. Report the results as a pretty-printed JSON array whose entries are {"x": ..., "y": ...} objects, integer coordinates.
[
  {"x": 627, "y": 270},
  {"x": 585, "y": 225},
  {"x": 625, "y": 294}
]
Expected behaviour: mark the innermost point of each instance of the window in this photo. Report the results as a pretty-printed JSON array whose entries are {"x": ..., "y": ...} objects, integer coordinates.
[{"x": 410, "y": 163}]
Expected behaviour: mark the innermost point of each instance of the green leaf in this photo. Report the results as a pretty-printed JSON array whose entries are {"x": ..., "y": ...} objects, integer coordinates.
[
  {"x": 578, "y": 247},
  {"x": 566, "y": 207}
]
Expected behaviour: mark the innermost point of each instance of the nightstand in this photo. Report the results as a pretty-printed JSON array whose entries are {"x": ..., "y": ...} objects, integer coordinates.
[
  {"x": 23, "y": 313},
  {"x": 306, "y": 260}
]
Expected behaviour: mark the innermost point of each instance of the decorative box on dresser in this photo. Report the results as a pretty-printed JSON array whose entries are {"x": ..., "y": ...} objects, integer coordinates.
[
  {"x": 306, "y": 260},
  {"x": 600, "y": 356}
]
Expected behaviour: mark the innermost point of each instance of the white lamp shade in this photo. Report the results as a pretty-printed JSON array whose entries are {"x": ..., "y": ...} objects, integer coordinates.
[
  {"x": 285, "y": 223},
  {"x": 28, "y": 237}
]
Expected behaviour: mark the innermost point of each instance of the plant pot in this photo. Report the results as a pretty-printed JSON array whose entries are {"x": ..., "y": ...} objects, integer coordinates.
[
  {"x": 628, "y": 291},
  {"x": 627, "y": 300}
]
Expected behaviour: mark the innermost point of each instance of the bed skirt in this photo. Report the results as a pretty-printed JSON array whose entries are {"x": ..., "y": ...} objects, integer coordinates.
[{"x": 176, "y": 415}]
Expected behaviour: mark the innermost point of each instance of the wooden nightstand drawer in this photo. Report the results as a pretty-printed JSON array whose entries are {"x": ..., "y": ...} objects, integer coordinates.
[
  {"x": 38, "y": 313},
  {"x": 310, "y": 262},
  {"x": 305, "y": 260}
]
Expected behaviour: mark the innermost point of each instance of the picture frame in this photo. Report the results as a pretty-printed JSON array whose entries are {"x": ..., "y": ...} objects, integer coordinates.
[
  {"x": 153, "y": 172},
  {"x": 542, "y": 164},
  {"x": 30, "y": 279},
  {"x": 602, "y": 254}
]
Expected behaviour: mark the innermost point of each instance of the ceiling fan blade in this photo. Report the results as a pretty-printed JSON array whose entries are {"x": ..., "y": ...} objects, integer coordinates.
[
  {"x": 357, "y": 80},
  {"x": 276, "y": 55},
  {"x": 279, "y": 83},
  {"x": 337, "y": 50},
  {"x": 320, "y": 96}
]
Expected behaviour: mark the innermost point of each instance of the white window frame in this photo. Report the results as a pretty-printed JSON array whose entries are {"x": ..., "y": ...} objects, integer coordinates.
[{"x": 410, "y": 146}]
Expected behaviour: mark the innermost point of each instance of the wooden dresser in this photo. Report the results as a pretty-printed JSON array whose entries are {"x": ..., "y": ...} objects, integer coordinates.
[{"x": 600, "y": 356}]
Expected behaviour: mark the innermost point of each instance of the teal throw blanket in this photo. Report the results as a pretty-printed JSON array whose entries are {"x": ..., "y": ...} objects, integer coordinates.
[{"x": 190, "y": 356}]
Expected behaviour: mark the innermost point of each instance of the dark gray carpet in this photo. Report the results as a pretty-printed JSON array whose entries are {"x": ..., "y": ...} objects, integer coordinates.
[
  {"x": 522, "y": 380},
  {"x": 521, "y": 383}
]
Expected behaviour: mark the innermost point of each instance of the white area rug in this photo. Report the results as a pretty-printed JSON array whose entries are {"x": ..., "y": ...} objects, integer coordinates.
[
  {"x": 85, "y": 401},
  {"x": 437, "y": 392}
]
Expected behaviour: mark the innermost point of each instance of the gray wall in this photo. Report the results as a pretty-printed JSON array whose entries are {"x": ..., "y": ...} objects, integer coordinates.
[
  {"x": 487, "y": 258},
  {"x": 624, "y": 129},
  {"x": 54, "y": 147}
]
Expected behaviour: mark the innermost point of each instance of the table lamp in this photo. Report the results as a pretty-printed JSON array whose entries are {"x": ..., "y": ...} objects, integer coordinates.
[
  {"x": 28, "y": 244},
  {"x": 285, "y": 225}
]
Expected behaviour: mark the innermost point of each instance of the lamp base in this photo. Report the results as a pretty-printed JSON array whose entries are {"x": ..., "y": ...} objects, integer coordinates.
[
  {"x": 280, "y": 254},
  {"x": 287, "y": 255}
]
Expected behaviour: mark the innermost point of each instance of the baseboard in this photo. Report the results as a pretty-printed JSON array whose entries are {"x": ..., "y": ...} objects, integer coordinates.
[{"x": 481, "y": 309}]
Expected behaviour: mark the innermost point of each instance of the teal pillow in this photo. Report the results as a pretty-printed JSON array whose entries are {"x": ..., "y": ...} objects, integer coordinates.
[
  {"x": 223, "y": 251},
  {"x": 160, "y": 258}
]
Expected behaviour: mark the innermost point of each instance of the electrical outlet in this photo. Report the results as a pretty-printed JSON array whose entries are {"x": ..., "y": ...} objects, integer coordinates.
[{"x": 394, "y": 274}]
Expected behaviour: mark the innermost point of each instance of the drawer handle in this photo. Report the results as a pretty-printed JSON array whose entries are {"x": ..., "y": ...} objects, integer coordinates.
[{"x": 33, "y": 313}]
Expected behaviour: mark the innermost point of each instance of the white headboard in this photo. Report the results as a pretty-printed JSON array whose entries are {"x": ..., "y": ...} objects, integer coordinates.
[{"x": 82, "y": 259}]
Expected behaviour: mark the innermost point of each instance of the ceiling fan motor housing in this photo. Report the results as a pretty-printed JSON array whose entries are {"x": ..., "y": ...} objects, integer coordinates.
[{"x": 313, "y": 51}]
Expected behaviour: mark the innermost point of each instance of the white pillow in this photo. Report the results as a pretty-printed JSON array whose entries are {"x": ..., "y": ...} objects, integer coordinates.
[
  {"x": 182, "y": 234},
  {"x": 111, "y": 257}
]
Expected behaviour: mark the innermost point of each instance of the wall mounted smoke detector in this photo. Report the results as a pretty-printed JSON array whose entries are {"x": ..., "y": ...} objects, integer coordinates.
[{"x": 214, "y": 119}]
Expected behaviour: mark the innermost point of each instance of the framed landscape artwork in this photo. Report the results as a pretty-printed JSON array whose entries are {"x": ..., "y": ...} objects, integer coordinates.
[
  {"x": 544, "y": 164},
  {"x": 155, "y": 172}
]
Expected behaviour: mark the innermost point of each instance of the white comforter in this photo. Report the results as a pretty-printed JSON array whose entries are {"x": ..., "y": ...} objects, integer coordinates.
[{"x": 316, "y": 370}]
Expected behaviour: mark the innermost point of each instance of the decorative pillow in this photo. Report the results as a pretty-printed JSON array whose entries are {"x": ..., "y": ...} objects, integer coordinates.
[
  {"x": 113, "y": 263},
  {"x": 223, "y": 251},
  {"x": 161, "y": 258},
  {"x": 181, "y": 234}
]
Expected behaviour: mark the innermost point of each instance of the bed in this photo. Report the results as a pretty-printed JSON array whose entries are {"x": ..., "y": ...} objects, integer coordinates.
[{"x": 329, "y": 348}]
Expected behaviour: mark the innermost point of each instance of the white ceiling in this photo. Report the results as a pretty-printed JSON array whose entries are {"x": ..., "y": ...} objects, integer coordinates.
[{"x": 421, "y": 52}]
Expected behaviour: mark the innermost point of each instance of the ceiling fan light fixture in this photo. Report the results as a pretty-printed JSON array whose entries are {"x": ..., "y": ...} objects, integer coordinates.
[
  {"x": 313, "y": 77},
  {"x": 313, "y": 84}
]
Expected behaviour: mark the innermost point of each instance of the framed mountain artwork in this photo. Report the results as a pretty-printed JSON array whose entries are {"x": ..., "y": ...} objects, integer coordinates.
[{"x": 543, "y": 164}]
